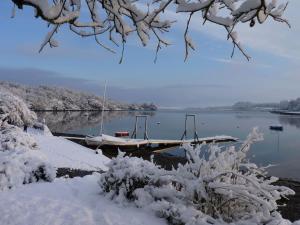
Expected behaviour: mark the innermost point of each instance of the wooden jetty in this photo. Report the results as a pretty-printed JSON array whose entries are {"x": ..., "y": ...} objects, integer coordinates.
[
  {"x": 109, "y": 142},
  {"x": 134, "y": 144}
]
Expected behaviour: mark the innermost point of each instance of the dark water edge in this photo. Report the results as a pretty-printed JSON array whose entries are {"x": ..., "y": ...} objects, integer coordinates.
[
  {"x": 291, "y": 210},
  {"x": 71, "y": 173}
]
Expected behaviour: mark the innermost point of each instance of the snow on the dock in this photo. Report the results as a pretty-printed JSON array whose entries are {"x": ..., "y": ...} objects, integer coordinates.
[{"x": 68, "y": 202}]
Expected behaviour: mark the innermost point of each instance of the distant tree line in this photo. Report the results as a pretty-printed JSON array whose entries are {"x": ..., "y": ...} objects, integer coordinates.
[
  {"x": 251, "y": 105},
  {"x": 292, "y": 105},
  {"x": 45, "y": 98},
  {"x": 289, "y": 105}
]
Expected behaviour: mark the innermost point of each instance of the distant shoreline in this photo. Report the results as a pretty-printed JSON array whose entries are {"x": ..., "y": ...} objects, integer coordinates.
[
  {"x": 282, "y": 112},
  {"x": 93, "y": 110},
  {"x": 54, "y": 99}
]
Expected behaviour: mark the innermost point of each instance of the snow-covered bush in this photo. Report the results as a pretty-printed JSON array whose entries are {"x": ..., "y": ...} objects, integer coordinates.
[
  {"x": 215, "y": 186},
  {"x": 12, "y": 137},
  {"x": 22, "y": 167},
  {"x": 20, "y": 161},
  {"x": 14, "y": 110},
  {"x": 121, "y": 180}
]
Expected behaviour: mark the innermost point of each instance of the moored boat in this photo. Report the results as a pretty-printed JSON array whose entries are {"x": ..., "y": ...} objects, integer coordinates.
[{"x": 276, "y": 127}]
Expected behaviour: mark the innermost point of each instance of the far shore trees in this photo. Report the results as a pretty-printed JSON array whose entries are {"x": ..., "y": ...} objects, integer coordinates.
[{"x": 113, "y": 21}]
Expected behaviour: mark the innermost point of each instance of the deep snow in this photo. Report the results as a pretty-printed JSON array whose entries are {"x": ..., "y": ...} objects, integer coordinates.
[
  {"x": 64, "y": 153},
  {"x": 68, "y": 202}
]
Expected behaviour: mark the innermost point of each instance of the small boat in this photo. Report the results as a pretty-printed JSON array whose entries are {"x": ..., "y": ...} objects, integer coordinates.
[
  {"x": 114, "y": 141},
  {"x": 122, "y": 134},
  {"x": 276, "y": 127}
]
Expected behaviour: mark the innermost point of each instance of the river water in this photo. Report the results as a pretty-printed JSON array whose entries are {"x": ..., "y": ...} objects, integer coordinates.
[{"x": 279, "y": 148}]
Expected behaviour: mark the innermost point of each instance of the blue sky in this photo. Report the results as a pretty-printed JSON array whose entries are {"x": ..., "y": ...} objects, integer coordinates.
[{"x": 210, "y": 77}]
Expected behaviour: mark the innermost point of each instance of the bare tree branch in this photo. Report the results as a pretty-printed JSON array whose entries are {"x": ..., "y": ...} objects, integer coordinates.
[{"x": 120, "y": 18}]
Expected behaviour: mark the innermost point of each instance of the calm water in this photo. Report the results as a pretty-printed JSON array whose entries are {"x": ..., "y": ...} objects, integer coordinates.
[{"x": 279, "y": 148}]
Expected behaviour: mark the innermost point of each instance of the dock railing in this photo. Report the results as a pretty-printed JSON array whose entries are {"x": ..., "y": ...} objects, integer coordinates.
[
  {"x": 134, "y": 133},
  {"x": 193, "y": 116}
]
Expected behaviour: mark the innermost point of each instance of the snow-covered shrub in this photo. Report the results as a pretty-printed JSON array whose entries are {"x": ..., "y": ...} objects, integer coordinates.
[
  {"x": 22, "y": 167},
  {"x": 12, "y": 137},
  {"x": 125, "y": 175},
  {"x": 20, "y": 161},
  {"x": 215, "y": 186},
  {"x": 14, "y": 110}
]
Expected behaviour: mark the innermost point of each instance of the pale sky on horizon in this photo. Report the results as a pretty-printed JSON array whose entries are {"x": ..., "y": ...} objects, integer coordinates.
[{"x": 210, "y": 77}]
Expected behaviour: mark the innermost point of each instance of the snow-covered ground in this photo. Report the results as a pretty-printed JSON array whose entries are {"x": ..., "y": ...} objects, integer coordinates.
[
  {"x": 30, "y": 193},
  {"x": 64, "y": 153},
  {"x": 68, "y": 202}
]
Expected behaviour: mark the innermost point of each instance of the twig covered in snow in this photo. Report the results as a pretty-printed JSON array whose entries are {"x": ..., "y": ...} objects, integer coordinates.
[
  {"x": 118, "y": 19},
  {"x": 215, "y": 186}
]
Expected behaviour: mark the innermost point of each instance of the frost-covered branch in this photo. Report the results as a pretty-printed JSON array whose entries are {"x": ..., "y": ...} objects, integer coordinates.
[
  {"x": 215, "y": 186},
  {"x": 117, "y": 19}
]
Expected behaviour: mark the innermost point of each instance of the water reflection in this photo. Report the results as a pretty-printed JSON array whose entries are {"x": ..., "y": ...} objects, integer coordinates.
[
  {"x": 66, "y": 121},
  {"x": 290, "y": 120},
  {"x": 277, "y": 148},
  {"x": 243, "y": 116},
  {"x": 277, "y": 135}
]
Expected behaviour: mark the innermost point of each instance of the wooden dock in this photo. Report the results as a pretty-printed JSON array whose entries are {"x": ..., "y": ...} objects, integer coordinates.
[{"x": 136, "y": 144}]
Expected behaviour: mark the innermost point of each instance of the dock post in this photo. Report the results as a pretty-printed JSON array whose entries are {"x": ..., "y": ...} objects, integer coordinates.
[
  {"x": 146, "y": 129},
  {"x": 196, "y": 138},
  {"x": 184, "y": 133},
  {"x": 134, "y": 133},
  {"x": 135, "y": 128}
]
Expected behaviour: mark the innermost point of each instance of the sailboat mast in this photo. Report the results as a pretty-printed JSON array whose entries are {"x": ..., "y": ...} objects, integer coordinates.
[{"x": 103, "y": 104}]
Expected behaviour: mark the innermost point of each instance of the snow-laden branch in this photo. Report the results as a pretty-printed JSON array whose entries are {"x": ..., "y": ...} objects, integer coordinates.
[
  {"x": 216, "y": 186},
  {"x": 119, "y": 18}
]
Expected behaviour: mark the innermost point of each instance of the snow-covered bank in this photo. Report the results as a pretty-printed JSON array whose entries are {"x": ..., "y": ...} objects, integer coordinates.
[
  {"x": 61, "y": 99},
  {"x": 68, "y": 202},
  {"x": 64, "y": 153},
  {"x": 34, "y": 156}
]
